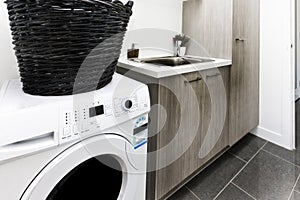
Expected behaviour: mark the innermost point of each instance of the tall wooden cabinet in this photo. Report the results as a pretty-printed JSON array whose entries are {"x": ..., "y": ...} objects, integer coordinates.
[
  {"x": 230, "y": 29},
  {"x": 209, "y": 23},
  {"x": 244, "y": 106}
]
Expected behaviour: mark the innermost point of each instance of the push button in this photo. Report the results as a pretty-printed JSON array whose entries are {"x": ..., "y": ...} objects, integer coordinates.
[
  {"x": 85, "y": 126},
  {"x": 67, "y": 132},
  {"x": 76, "y": 130}
]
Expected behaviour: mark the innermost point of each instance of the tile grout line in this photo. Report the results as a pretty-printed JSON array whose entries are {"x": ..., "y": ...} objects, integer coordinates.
[
  {"x": 293, "y": 189},
  {"x": 243, "y": 190},
  {"x": 192, "y": 192},
  {"x": 296, "y": 191},
  {"x": 241, "y": 159},
  {"x": 281, "y": 158},
  {"x": 240, "y": 170}
]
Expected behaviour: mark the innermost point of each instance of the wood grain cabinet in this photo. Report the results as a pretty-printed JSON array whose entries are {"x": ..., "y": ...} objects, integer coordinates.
[
  {"x": 196, "y": 116},
  {"x": 188, "y": 128},
  {"x": 194, "y": 125},
  {"x": 179, "y": 139},
  {"x": 244, "y": 106},
  {"x": 230, "y": 29}
]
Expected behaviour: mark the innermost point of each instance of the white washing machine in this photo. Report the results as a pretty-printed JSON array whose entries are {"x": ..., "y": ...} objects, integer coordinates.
[{"x": 86, "y": 146}]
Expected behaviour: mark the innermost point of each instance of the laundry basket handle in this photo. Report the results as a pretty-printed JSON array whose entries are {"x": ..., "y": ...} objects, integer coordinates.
[{"x": 129, "y": 4}]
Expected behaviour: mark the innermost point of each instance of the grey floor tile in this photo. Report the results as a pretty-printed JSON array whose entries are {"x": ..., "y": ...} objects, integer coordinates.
[
  {"x": 297, "y": 188},
  {"x": 183, "y": 194},
  {"x": 231, "y": 192},
  {"x": 291, "y": 156},
  {"x": 268, "y": 177},
  {"x": 247, "y": 147},
  {"x": 295, "y": 196},
  {"x": 213, "y": 179}
]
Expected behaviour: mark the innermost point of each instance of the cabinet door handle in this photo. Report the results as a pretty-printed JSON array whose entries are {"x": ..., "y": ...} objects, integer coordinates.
[
  {"x": 209, "y": 76},
  {"x": 191, "y": 81},
  {"x": 239, "y": 40}
]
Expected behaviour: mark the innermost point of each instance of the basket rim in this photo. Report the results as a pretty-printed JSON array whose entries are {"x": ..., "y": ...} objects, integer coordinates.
[{"x": 112, "y": 4}]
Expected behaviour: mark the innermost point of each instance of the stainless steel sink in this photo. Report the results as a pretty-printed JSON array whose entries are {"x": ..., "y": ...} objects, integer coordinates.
[{"x": 172, "y": 61}]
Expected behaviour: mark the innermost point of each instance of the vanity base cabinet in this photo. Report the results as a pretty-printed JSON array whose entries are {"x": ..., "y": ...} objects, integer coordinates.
[
  {"x": 179, "y": 139},
  {"x": 188, "y": 128},
  {"x": 196, "y": 129}
]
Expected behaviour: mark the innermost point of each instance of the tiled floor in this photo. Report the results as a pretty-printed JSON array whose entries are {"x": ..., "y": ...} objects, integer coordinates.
[{"x": 252, "y": 169}]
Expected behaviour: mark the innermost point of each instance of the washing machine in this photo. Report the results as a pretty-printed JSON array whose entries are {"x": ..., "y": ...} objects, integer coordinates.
[{"x": 86, "y": 146}]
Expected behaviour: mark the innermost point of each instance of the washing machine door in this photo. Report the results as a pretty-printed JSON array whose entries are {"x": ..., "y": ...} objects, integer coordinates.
[{"x": 96, "y": 168}]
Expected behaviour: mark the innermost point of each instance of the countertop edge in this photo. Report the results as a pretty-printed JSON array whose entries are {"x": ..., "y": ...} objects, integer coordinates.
[{"x": 165, "y": 71}]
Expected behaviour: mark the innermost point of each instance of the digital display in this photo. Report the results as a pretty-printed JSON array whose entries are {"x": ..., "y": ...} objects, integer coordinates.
[{"x": 96, "y": 111}]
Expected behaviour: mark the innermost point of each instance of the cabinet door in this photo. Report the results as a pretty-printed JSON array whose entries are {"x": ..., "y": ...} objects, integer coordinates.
[
  {"x": 244, "y": 101},
  {"x": 179, "y": 139},
  {"x": 209, "y": 23},
  {"x": 215, "y": 100}
]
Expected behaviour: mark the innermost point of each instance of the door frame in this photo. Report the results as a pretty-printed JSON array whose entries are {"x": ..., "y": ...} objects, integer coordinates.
[
  {"x": 284, "y": 135},
  {"x": 297, "y": 47},
  {"x": 294, "y": 47}
]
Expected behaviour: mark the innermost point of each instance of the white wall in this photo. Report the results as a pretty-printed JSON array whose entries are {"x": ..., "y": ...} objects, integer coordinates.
[
  {"x": 161, "y": 14},
  {"x": 154, "y": 14},
  {"x": 276, "y": 73},
  {"x": 297, "y": 84},
  {"x": 152, "y": 26},
  {"x": 8, "y": 68}
]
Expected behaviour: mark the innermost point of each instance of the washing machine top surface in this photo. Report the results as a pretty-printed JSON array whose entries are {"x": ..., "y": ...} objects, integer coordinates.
[{"x": 13, "y": 98}]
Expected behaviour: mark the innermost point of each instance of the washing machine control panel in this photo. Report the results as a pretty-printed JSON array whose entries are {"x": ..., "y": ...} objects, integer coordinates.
[
  {"x": 86, "y": 118},
  {"x": 46, "y": 122}
]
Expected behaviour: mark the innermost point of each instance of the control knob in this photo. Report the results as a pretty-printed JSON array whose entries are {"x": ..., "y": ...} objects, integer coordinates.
[{"x": 127, "y": 104}]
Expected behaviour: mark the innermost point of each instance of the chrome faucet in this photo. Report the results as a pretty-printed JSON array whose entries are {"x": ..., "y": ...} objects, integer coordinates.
[
  {"x": 179, "y": 41},
  {"x": 177, "y": 48}
]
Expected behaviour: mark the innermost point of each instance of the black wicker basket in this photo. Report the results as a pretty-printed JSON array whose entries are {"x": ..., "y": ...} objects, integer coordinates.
[{"x": 66, "y": 47}]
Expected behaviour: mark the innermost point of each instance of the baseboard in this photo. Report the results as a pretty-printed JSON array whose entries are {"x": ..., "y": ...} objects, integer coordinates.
[{"x": 272, "y": 137}]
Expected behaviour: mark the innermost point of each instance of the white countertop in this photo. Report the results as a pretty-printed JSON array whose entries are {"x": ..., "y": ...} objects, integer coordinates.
[{"x": 165, "y": 71}]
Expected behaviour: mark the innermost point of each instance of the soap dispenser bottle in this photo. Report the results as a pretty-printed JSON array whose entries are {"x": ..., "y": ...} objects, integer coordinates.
[{"x": 133, "y": 52}]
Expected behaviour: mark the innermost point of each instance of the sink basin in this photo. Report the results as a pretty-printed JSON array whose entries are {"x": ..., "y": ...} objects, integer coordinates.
[{"x": 172, "y": 61}]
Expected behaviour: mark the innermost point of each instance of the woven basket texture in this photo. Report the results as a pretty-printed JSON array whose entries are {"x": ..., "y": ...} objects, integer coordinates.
[{"x": 66, "y": 47}]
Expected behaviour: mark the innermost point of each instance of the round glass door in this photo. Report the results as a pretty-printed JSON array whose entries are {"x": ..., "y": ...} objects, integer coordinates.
[{"x": 92, "y": 179}]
